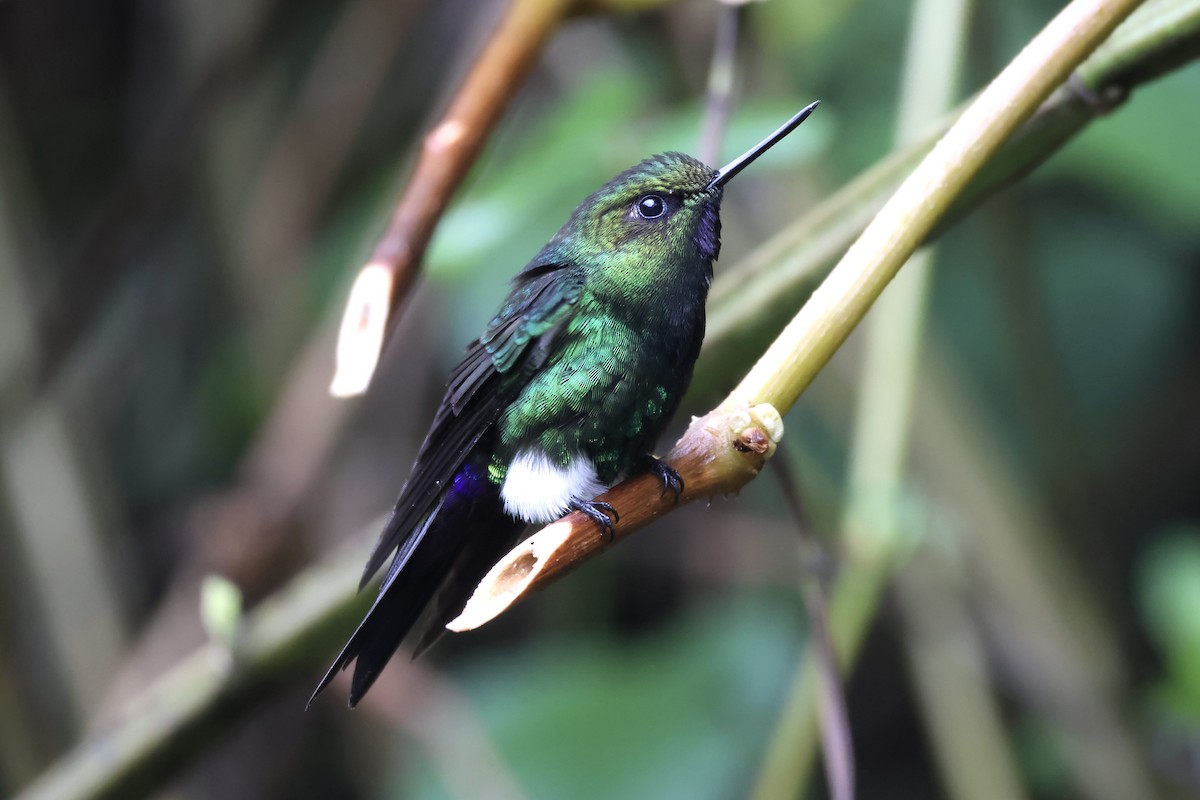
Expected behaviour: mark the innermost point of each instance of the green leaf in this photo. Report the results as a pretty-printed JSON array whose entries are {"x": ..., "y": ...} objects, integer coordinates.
[
  {"x": 220, "y": 608},
  {"x": 1169, "y": 588}
]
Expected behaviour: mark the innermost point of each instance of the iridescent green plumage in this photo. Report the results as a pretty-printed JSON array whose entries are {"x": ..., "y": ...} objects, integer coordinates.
[
  {"x": 565, "y": 392},
  {"x": 629, "y": 328}
]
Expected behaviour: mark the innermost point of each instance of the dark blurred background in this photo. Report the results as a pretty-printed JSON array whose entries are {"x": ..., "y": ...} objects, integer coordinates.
[{"x": 186, "y": 190}]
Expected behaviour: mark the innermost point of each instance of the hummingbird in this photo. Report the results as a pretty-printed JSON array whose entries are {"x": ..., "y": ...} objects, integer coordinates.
[{"x": 565, "y": 393}]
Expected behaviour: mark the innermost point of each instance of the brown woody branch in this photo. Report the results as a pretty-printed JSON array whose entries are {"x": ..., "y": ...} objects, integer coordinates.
[
  {"x": 720, "y": 453},
  {"x": 447, "y": 153}
]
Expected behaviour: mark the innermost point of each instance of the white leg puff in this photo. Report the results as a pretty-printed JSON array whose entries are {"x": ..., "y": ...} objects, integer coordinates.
[{"x": 538, "y": 490}]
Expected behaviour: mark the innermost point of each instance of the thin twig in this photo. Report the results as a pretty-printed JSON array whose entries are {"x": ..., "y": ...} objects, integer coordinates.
[
  {"x": 447, "y": 152},
  {"x": 722, "y": 75},
  {"x": 837, "y": 744},
  {"x": 870, "y": 525},
  {"x": 947, "y": 662}
]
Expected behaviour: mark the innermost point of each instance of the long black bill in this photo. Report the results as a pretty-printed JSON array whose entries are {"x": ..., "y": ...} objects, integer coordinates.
[{"x": 726, "y": 173}]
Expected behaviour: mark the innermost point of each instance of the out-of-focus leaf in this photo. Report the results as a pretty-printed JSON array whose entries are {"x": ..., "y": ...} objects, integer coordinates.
[
  {"x": 220, "y": 608},
  {"x": 683, "y": 713},
  {"x": 1169, "y": 590},
  {"x": 1039, "y": 749}
]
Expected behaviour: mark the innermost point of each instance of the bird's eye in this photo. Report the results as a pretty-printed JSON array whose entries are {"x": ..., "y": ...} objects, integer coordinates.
[{"x": 651, "y": 206}]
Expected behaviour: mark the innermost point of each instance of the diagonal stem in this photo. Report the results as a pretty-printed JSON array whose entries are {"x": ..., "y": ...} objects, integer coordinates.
[
  {"x": 724, "y": 450},
  {"x": 447, "y": 152}
]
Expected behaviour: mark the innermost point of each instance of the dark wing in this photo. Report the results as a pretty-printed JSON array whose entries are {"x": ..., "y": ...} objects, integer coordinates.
[
  {"x": 514, "y": 346},
  {"x": 439, "y": 551}
]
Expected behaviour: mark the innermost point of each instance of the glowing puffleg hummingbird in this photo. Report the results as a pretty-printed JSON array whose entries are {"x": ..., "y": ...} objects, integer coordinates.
[{"x": 564, "y": 393}]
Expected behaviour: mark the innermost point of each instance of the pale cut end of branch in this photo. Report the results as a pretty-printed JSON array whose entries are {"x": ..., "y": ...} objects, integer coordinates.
[
  {"x": 360, "y": 338},
  {"x": 509, "y": 579},
  {"x": 719, "y": 454}
]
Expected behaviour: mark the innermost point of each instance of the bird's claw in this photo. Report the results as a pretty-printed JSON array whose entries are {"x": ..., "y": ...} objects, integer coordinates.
[
  {"x": 599, "y": 513},
  {"x": 667, "y": 475}
]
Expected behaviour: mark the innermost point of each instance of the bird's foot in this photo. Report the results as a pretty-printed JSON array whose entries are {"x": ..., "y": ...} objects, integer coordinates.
[
  {"x": 599, "y": 513},
  {"x": 666, "y": 474}
]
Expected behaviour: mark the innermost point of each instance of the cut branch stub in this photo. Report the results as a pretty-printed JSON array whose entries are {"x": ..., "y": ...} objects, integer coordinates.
[
  {"x": 447, "y": 153},
  {"x": 719, "y": 454}
]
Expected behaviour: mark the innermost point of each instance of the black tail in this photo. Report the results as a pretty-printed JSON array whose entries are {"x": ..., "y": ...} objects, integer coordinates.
[{"x": 434, "y": 571}]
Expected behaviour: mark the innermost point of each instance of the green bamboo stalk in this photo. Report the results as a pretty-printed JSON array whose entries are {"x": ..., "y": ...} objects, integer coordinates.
[
  {"x": 947, "y": 665},
  {"x": 775, "y": 279},
  {"x": 836, "y": 308},
  {"x": 1018, "y": 570},
  {"x": 949, "y": 671},
  {"x": 871, "y": 528},
  {"x": 833, "y": 311}
]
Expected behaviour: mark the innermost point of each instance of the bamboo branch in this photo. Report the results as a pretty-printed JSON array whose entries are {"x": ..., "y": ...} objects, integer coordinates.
[
  {"x": 775, "y": 278},
  {"x": 871, "y": 528},
  {"x": 719, "y": 454},
  {"x": 447, "y": 152},
  {"x": 705, "y": 457}
]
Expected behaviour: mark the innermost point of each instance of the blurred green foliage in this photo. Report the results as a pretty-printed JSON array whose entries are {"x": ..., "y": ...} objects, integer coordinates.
[
  {"x": 1067, "y": 311},
  {"x": 681, "y": 714},
  {"x": 1169, "y": 588}
]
